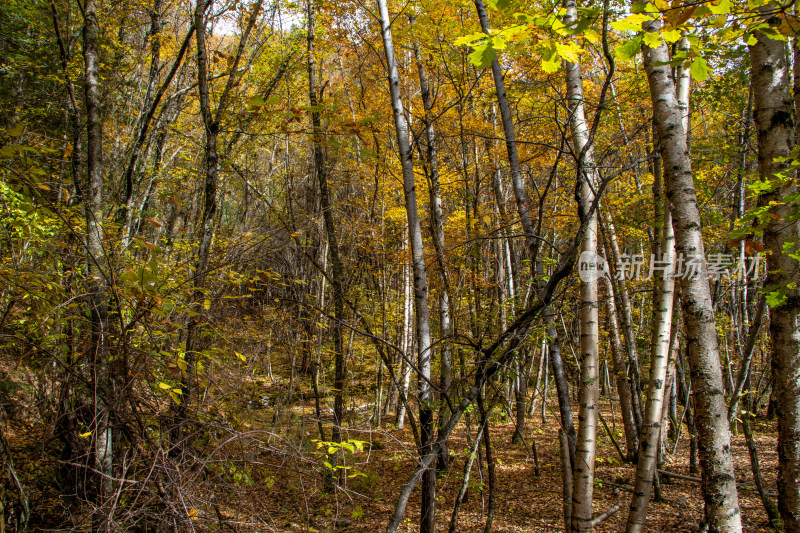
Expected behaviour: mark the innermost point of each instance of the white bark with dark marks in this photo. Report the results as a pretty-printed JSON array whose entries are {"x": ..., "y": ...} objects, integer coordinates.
[
  {"x": 716, "y": 458},
  {"x": 419, "y": 269},
  {"x": 776, "y": 133}
]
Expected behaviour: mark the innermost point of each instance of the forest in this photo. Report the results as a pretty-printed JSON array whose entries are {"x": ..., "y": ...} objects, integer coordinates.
[{"x": 380, "y": 265}]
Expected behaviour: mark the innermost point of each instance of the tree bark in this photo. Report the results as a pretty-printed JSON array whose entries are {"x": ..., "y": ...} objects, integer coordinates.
[
  {"x": 651, "y": 425},
  {"x": 621, "y": 376},
  {"x": 98, "y": 280},
  {"x": 588, "y": 182},
  {"x": 437, "y": 226},
  {"x": 716, "y": 458},
  {"x": 776, "y": 131},
  {"x": 337, "y": 270},
  {"x": 423, "y": 335}
]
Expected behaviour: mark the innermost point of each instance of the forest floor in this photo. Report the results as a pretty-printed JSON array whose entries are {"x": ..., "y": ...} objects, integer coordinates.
[
  {"x": 269, "y": 476},
  {"x": 524, "y": 502}
]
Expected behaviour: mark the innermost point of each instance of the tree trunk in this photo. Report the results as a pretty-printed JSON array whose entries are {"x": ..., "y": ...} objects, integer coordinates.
[
  {"x": 211, "y": 126},
  {"x": 651, "y": 425},
  {"x": 775, "y": 126},
  {"x": 621, "y": 376},
  {"x": 98, "y": 280},
  {"x": 626, "y": 320},
  {"x": 427, "y": 518},
  {"x": 407, "y": 342},
  {"x": 337, "y": 271},
  {"x": 437, "y": 223},
  {"x": 588, "y": 181},
  {"x": 716, "y": 458}
]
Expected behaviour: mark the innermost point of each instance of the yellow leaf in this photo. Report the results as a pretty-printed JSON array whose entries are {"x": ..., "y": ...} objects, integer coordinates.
[
  {"x": 672, "y": 36},
  {"x": 15, "y": 130},
  {"x": 164, "y": 386},
  {"x": 177, "y": 391},
  {"x": 193, "y": 514},
  {"x": 85, "y": 435},
  {"x": 570, "y": 51},
  {"x": 206, "y": 304},
  {"x": 240, "y": 356},
  {"x": 652, "y": 40}
]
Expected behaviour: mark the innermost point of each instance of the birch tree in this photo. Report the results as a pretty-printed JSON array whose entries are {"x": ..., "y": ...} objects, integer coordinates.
[
  {"x": 419, "y": 270},
  {"x": 716, "y": 458},
  {"x": 588, "y": 395},
  {"x": 98, "y": 284},
  {"x": 773, "y": 113}
]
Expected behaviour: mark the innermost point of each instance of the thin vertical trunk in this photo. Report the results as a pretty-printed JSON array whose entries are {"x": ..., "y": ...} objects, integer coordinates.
[
  {"x": 337, "y": 271},
  {"x": 98, "y": 285},
  {"x": 520, "y": 377},
  {"x": 437, "y": 223},
  {"x": 626, "y": 319},
  {"x": 566, "y": 479},
  {"x": 688, "y": 409},
  {"x": 462, "y": 493},
  {"x": 588, "y": 181},
  {"x": 651, "y": 425},
  {"x": 773, "y": 514},
  {"x": 211, "y": 126},
  {"x": 621, "y": 376},
  {"x": 427, "y": 519},
  {"x": 716, "y": 458},
  {"x": 487, "y": 446},
  {"x": 523, "y": 203},
  {"x": 407, "y": 342},
  {"x": 774, "y": 109}
]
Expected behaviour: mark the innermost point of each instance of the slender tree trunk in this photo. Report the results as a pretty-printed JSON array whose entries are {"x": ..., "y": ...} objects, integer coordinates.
[
  {"x": 588, "y": 181},
  {"x": 407, "y": 342},
  {"x": 716, "y": 458},
  {"x": 337, "y": 270},
  {"x": 773, "y": 514},
  {"x": 520, "y": 395},
  {"x": 626, "y": 321},
  {"x": 462, "y": 493},
  {"x": 98, "y": 284},
  {"x": 523, "y": 203},
  {"x": 487, "y": 446},
  {"x": 437, "y": 223},
  {"x": 688, "y": 406},
  {"x": 211, "y": 126},
  {"x": 659, "y": 359},
  {"x": 566, "y": 480},
  {"x": 427, "y": 519},
  {"x": 621, "y": 376},
  {"x": 773, "y": 112}
]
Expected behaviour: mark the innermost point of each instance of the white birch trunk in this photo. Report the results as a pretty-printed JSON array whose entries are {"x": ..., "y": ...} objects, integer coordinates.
[
  {"x": 586, "y": 450},
  {"x": 716, "y": 458},
  {"x": 773, "y": 115},
  {"x": 423, "y": 333},
  {"x": 651, "y": 425}
]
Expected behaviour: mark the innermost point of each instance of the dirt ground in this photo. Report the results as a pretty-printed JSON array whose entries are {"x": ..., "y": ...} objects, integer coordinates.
[{"x": 281, "y": 482}]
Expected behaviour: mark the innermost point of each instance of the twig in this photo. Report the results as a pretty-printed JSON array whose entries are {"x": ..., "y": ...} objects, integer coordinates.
[{"x": 599, "y": 518}]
